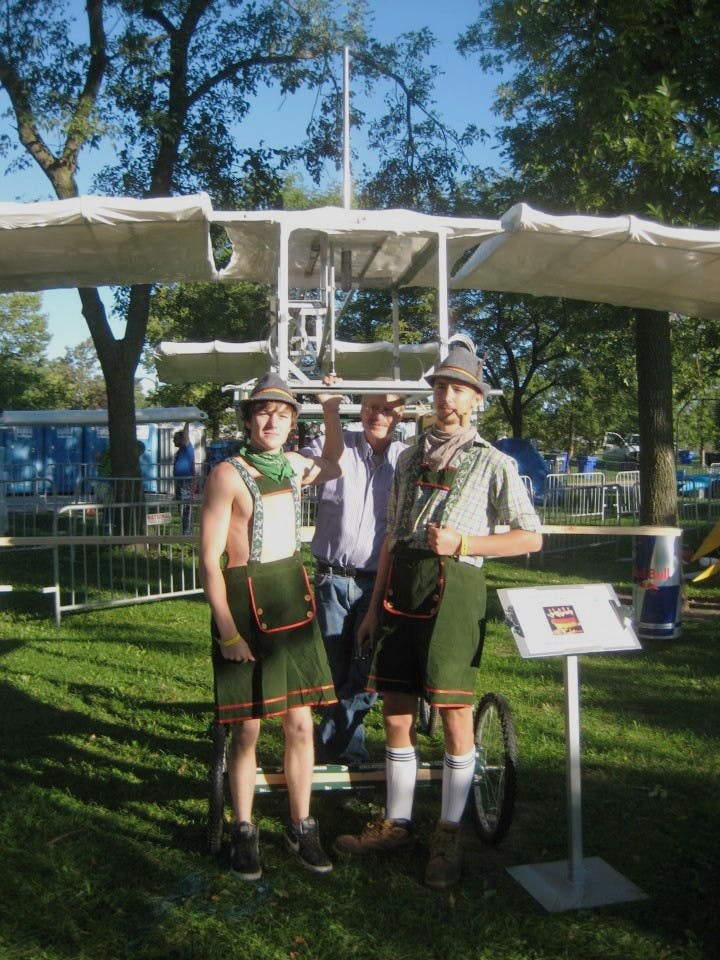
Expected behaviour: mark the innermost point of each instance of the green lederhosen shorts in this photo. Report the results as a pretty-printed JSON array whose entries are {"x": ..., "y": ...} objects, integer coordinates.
[
  {"x": 438, "y": 656},
  {"x": 290, "y": 668}
]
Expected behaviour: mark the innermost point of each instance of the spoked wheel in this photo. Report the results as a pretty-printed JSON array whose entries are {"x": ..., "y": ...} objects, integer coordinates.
[
  {"x": 428, "y": 717},
  {"x": 216, "y": 799},
  {"x": 495, "y": 784}
]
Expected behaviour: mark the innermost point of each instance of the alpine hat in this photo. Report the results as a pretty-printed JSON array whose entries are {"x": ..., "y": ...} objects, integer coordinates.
[
  {"x": 269, "y": 387},
  {"x": 461, "y": 364}
]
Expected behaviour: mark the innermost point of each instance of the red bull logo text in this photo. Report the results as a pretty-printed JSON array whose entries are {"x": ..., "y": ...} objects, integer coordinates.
[
  {"x": 648, "y": 576},
  {"x": 656, "y": 587}
]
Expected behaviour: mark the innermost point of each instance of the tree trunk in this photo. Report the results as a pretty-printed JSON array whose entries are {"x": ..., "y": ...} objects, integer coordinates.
[
  {"x": 517, "y": 414},
  {"x": 658, "y": 488},
  {"x": 119, "y": 360}
]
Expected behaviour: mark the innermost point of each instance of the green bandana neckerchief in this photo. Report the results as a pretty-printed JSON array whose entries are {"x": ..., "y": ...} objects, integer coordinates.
[{"x": 275, "y": 466}]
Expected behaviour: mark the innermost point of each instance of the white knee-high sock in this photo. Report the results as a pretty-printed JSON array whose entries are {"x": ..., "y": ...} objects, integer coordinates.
[
  {"x": 400, "y": 776},
  {"x": 457, "y": 779}
]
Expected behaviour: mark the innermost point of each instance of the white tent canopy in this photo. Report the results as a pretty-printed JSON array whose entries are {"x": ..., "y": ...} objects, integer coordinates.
[
  {"x": 219, "y": 361},
  {"x": 213, "y": 362},
  {"x": 99, "y": 241},
  {"x": 384, "y": 249},
  {"x": 621, "y": 260},
  {"x": 102, "y": 241}
]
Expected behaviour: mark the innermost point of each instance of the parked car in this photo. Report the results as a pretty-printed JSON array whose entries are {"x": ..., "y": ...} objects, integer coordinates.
[{"x": 617, "y": 447}]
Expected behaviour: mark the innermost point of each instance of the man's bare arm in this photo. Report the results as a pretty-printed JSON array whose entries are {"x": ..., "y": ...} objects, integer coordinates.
[
  {"x": 327, "y": 465},
  {"x": 221, "y": 488}
]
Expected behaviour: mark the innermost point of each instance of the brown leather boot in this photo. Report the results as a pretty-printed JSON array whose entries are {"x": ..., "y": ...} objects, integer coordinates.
[
  {"x": 445, "y": 863},
  {"x": 380, "y": 836}
]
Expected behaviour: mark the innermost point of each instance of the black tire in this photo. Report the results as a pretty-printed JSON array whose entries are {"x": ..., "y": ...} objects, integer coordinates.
[
  {"x": 494, "y": 788},
  {"x": 428, "y": 717},
  {"x": 216, "y": 799}
]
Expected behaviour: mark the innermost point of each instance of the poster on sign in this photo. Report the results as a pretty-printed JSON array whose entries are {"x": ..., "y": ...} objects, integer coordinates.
[{"x": 564, "y": 620}]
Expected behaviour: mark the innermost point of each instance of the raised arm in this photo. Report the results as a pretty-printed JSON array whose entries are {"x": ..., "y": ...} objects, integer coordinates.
[{"x": 327, "y": 465}]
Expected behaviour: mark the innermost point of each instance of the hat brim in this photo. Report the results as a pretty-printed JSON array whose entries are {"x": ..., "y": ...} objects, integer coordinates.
[
  {"x": 460, "y": 377},
  {"x": 268, "y": 396}
]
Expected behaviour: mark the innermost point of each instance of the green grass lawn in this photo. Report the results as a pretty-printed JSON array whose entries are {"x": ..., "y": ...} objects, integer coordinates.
[{"x": 103, "y": 799}]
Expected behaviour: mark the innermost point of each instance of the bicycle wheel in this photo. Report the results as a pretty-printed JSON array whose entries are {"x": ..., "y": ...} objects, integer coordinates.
[
  {"x": 216, "y": 798},
  {"x": 495, "y": 784},
  {"x": 428, "y": 717}
]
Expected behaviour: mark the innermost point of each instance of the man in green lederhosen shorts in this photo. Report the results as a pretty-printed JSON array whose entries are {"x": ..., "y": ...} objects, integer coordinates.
[
  {"x": 450, "y": 492},
  {"x": 268, "y": 654}
]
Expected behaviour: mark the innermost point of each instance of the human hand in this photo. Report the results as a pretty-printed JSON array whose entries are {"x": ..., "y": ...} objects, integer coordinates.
[
  {"x": 236, "y": 648},
  {"x": 365, "y": 636},
  {"x": 329, "y": 380},
  {"x": 445, "y": 541}
]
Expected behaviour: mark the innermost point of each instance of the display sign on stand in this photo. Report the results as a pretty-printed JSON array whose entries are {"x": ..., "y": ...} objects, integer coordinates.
[{"x": 565, "y": 621}]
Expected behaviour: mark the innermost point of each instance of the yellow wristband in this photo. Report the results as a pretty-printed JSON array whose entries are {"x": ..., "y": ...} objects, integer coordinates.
[
  {"x": 231, "y": 642},
  {"x": 463, "y": 544}
]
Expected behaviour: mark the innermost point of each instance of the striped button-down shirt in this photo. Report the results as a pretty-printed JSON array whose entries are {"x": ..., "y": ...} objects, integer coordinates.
[
  {"x": 486, "y": 493},
  {"x": 350, "y": 524}
]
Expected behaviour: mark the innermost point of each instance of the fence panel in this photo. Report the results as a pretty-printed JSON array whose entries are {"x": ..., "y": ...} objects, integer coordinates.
[{"x": 577, "y": 499}]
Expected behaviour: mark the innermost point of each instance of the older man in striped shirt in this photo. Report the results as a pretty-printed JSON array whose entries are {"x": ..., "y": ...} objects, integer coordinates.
[{"x": 349, "y": 532}]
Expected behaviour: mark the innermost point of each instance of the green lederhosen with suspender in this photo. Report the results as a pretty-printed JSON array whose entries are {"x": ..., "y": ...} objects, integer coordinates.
[
  {"x": 290, "y": 667},
  {"x": 430, "y": 632}
]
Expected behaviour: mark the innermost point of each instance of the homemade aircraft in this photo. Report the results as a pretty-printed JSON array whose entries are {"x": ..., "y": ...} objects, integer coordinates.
[{"x": 304, "y": 256}]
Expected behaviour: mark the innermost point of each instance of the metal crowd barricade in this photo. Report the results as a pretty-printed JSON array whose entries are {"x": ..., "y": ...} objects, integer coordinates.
[
  {"x": 116, "y": 554},
  {"x": 627, "y": 485},
  {"x": 698, "y": 491},
  {"x": 572, "y": 498},
  {"x": 622, "y": 497},
  {"x": 527, "y": 481},
  {"x": 26, "y": 510}
]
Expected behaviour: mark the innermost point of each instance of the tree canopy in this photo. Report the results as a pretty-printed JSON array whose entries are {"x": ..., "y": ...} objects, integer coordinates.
[
  {"x": 168, "y": 84},
  {"x": 24, "y": 339},
  {"x": 614, "y": 107}
]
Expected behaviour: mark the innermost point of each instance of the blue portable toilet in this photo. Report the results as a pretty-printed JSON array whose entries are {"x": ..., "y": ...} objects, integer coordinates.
[
  {"x": 219, "y": 450},
  {"x": 24, "y": 457},
  {"x": 147, "y": 434},
  {"x": 96, "y": 440},
  {"x": 64, "y": 455},
  {"x": 530, "y": 462}
]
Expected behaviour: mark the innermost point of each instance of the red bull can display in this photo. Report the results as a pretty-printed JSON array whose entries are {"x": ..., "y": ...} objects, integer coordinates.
[{"x": 657, "y": 579}]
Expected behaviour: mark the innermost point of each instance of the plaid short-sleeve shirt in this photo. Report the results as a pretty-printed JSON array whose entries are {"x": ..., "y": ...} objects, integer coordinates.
[{"x": 486, "y": 492}]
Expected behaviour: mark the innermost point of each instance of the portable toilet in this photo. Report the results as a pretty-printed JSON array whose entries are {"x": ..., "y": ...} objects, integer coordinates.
[
  {"x": 166, "y": 452},
  {"x": 64, "y": 455},
  {"x": 146, "y": 434},
  {"x": 96, "y": 440},
  {"x": 24, "y": 457}
]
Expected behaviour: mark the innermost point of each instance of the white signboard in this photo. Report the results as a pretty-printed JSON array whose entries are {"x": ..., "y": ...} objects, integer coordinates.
[{"x": 565, "y": 620}]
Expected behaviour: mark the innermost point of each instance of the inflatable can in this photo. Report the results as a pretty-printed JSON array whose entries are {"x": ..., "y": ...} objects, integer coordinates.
[{"x": 657, "y": 579}]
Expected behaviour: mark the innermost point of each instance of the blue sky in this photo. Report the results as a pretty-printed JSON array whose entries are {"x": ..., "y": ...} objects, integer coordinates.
[{"x": 463, "y": 95}]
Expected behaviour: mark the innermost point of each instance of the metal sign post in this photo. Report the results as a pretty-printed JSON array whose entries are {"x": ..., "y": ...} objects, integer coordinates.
[{"x": 565, "y": 621}]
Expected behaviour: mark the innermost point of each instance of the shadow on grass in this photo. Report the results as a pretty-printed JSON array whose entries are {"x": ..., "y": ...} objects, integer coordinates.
[{"x": 103, "y": 805}]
